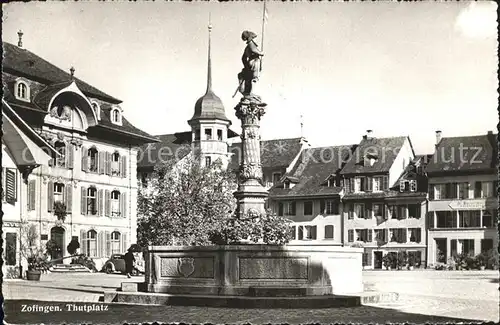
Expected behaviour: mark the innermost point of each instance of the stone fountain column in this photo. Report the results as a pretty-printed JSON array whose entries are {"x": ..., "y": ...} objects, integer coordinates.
[{"x": 251, "y": 194}]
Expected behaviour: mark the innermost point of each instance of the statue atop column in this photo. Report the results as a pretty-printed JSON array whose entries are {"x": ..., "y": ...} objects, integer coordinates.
[{"x": 251, "y": 60}]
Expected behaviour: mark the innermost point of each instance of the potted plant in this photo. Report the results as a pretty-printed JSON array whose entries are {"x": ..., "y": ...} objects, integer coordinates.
[
  {"x": 73, "y": 246},
  {"x": 411, "y": 261},
  {"x": 401, "y": 260},
  {"x": 60, "y": 210},
  {"x": 481, "y": 261},
  {"x": 35, "y": 256},
  {"x": 386, "y": 260}
]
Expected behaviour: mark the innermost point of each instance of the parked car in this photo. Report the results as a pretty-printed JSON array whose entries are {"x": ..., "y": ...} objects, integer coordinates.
[{"x": 116, "y": 263}]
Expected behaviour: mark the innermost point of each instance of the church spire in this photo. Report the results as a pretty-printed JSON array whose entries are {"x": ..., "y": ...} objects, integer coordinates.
[{"x": 209, "y": 73}]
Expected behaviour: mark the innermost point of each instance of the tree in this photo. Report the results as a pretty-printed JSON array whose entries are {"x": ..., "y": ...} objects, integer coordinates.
[{"x": 191, "y": 205}]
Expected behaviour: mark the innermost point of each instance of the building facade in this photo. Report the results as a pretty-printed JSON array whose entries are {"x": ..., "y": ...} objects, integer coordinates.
[
  {"x": 92, "y": 174},
  {"x": 463, "y": 199}
]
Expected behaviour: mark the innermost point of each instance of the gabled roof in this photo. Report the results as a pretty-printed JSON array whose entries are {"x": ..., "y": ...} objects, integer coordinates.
[
  {"x": 20, "y": 61},
  {"x": 465, "y": 154},
  {"x": 312, "y": 168},
  {"x": 278, "y": 153},
  {"x": 171, "y": 147},
  {"x": 384, "y": 149}
]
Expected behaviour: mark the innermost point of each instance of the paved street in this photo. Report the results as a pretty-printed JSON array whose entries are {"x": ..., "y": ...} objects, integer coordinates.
[{"x": 426, "y": 296}]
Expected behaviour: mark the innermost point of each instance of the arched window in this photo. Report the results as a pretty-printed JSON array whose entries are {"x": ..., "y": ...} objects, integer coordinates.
[
  {"x": 92, "y": 159},
  {"x": 115, "y": 203},
  {"x": 22, "y": 91},
  {"x": 60, "y": 160},
  {"x": 116, "y": 116},
  {"x": 92, "y": 201},
  {"x": 115, "y": 163},
  {"x": 115, "y": 242},
  {"x": 92, "y": 243}
]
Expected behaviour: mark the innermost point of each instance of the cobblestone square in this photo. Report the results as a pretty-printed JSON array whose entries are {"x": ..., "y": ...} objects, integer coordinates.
[{"x": 425, "y": 296}]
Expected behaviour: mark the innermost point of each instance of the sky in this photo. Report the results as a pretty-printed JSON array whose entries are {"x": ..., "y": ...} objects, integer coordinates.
[{"x": 407, "y": 68}]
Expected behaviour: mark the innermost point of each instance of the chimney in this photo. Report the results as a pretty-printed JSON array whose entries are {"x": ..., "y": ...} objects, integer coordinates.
[
  {"x": 490, "y": 132},
  {"x": 369, "y": 134},
  {"x": 20, "y": 42},
  {"x": 438, "y": 137}
]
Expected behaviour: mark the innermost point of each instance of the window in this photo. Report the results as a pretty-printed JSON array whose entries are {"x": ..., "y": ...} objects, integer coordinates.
[
  {"x": 469, "y": 219},
  {"x": 293, "y": 231},
  {"x": 398, "y": 235},
  {"x": 365, "y": 259},
  {"x": 208, "y": 134},
  {"x": 286, "y": 185},
  {"x": 364, "y": 235},
  {"x": 289, "y": 208},
  {"x": 463, "y": 190},
  {"x": 115, "y": 163},
  {"x": 115, "y": 242},
  {"x": 22, "y": 91},
  {"x": 116, "y": 116},
  {"x": 328, "y": 232},
  {"x": 308, "y": 208},
  {"x": 10, "y": 248},
  {"x": 377, "y": 182},
  {"x": 331, "y": 207},
  {"x": 276, "y": 178},
  {"x": 413, "y": 185},
  {"x": 414, "y": 211},
  {"x": 486, "y": 245},
  {"x": 378, "y": 210},
  {"x": 60, "y": 160},
  {"x": 115, "y": 203},
  {"x": 92, "y": 201},
  {"x": 58, "y": 192},
  {"x": 467, "y": 246},
  {"x": 93, "y": 157},
  {"x": 488, "y": 218},
  {"x": 446, "y": 219},
  {"x": 97, "y": 109},
  {"x": 415, "y": 235},
  {"x": 331, "y": 182},
  {"x": 92, "y": 243},
  {"x": 381, "y": 236},
  {"x": 486, "y": 189},
  {"x": 359, "y": 210},
  {"x": 350, "y": 235},
  {"x": 446, "y": 191},
  {"x": 404, "y": 186},
  {"x": 219, "y": 135},
  {"x": 360, "y": 184},
  {"x": 385, "y": 182},
  {"x": 208, "y": 161},
  {"x": 309, "y": 232}
]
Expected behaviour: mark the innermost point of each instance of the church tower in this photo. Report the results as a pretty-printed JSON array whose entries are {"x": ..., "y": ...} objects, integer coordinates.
[{"x": 209, "y": 123}]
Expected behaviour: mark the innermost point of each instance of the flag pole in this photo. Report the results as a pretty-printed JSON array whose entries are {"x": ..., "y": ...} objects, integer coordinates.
[{"x": 262, "y": 37}]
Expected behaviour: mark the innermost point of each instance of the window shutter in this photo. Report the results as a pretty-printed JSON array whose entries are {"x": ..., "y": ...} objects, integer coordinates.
[
  {"x": 350, "y": 210},
  {"x": 385, "y": 184},
  {"x": 31, "y": 195},
  {"x": 404, "y": 212},
  {"x": 107, "y": 203},
  {"x": 431, "y": 192},
  {"x": 402, "y": 184},
  {"x": 68, "y": 197},
  {"x": 108, "y": 244},
  {"x": 123, "y": 170},
  {"x": 50, "y": 196},
  {"x": 123, "y": 205},
  {"x": 85, "y": 159},
  {"x": 369, "y": 184},
  {"x": 100, "y": 244},
  {"x": 350, "y": 236},
  {"x": 313, "y": 232},
  {"x": 70, "y": 150},
  {"x": 386, "y": 212},
  {"x": 293, "y": 208},
  {"x": 101, "y": 162},
  {"x": 83, "y": 241},
  {"x": 108, "y": 163},
  {"x": 83, "y": 202},
  {"x": 477, "y": 190},
  {"x": 347, "y": 185},
  {"x": 124, "y": 242},
  {"x": 370, "y": 235},
  {"x": 368, "y": 210},
  {"x": 301, "y": 232},
  {"x": 11, "y": 185},
  {"x": 52, "y": 161},
  {"x": 322, "y": 206},
  {"x": 100, "y": 202}
]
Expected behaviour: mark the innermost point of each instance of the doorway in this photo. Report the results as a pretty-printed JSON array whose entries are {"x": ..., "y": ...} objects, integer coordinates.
[
  {"x": 57, "y": 235},
  {"x": 441, "y": 250},
  {"x": 377, "y": 260}
]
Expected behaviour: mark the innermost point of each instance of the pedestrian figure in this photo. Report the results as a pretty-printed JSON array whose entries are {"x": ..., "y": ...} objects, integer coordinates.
[{"x": 129, "y": 262}]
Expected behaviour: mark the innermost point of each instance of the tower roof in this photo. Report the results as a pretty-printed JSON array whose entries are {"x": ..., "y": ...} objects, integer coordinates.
[{"x": 209, "y": 106}]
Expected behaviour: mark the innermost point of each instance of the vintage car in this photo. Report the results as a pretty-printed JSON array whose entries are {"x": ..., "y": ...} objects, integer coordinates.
[{"x": 116, "y": 263}]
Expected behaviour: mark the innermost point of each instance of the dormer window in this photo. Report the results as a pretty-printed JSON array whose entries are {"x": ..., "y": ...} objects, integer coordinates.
[
  {"x": 331, "y": 182},
  {"x": 97, "y": 109},
  {"x": 22, "y": 91},
  {"x": 287, "y": 184},
  {"x": 116, "y": 116}
]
